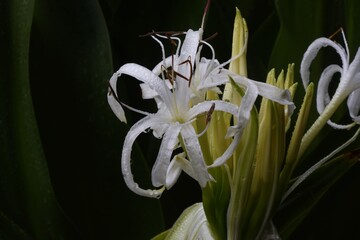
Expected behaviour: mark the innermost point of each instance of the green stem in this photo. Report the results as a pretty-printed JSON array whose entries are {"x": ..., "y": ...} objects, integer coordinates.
[{"x": 318, "y": 125}]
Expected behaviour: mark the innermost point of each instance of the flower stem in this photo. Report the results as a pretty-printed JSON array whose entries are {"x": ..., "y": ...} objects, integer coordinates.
[{"x": 320, "y": 122}]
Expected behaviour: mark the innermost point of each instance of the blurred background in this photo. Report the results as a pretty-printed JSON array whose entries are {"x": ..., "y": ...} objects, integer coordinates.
[{"x": 60, "y": 144}]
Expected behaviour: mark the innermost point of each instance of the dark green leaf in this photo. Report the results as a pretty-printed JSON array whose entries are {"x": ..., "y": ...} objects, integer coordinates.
[
  {"x": 295, "y": 208},
  {"x": 27, "y": 197}
]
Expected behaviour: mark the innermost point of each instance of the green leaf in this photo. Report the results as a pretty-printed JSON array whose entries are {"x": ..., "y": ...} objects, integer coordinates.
[
  {"x": 307, "y": 195},
  {"x": 83, "y": 137},
  {"x": 27, "y": 198},
  {"x": 10, "y": 230},
  {"x": 351, "y": 24}
]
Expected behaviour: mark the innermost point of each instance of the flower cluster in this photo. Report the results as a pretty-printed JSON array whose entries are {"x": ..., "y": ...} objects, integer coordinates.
[
  {"x": 239, "y": 153},
  {"x": 180, "y": 84}
]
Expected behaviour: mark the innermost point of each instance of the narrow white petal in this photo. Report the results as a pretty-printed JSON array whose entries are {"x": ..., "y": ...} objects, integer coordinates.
[
  {"x": 169, "y": 141},
  {"x": 185, "y": 67},
  {"x": 178, "y": 164},
  {"x": 312, "y": 52},
  {"x": 147, "y": 92},
  {"x": 354, "y": 69},
  {"x": 133, "y": 133},
  {"x": 273, "y": 93},
  {"x": 214, "y": 79},
  {"x": 173, "y": 171},
  {"x": 165, "y": 64},
  {"x": 203, "y": 107},
  {"x": 266, "y": 90},
  {"x": 145, "y": 75},
  {"x": 323, "y": 97},
  {"x": 246, "y": 106},
  {"x": 116, "y": 108},
  {"x": 354, "y": 105},
  {"x": 195, "y": 155},
  {"x": 229, "y": 151},
  {"x": 190, "y": 45},
  {"x": 113, "y": 101}
]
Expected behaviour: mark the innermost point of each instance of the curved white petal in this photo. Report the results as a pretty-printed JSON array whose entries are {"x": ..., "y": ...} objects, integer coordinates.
[
  {"x": 354, "y": 105},
  {"x": 247, "y": 104},
  {"x": 174, "y": 170},
  {"x": 312, "y": 52},
  {"x": 194, "y": 152},
  {"x": 147, "y": 92},
  {"x": 236, "y": 131},
  {"x": 145, "y": 75},
  {"x": 113, "y": 101},
  {"x": 204, "y": 107},
  {"x": 266, "y": 90},
  {"x": 133, "y": 133},
  {"x": 169, "y": 141},
  {"x": 165, "y": 64},
  {"x": 229, "y": 151},
  {"x": 323, "y": 97}
]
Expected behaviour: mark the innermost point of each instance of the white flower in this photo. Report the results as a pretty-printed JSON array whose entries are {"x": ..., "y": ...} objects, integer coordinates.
[
  {"x": 348, "y": 86},
  {"x": 173, "y": 120}
]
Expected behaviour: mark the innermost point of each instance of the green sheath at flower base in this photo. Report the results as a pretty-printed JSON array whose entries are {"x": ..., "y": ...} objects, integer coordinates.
[
  {"x": 238, "y": 53},
  {"x": 295, "y": 141},
  {"x": 216, "y": 195},
  {"x": 256, "y": 170},
  {"x": 242, "y": 177},
  {"x": 269, "y": 158},
  {"x": 191, "y": 225}
]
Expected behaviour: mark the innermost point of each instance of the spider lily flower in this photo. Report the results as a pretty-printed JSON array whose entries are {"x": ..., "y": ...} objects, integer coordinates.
[
  {"x": 349, "y": 83},
  {"x": 173, "y": 120},
  {"x": 348, "y": 87}
]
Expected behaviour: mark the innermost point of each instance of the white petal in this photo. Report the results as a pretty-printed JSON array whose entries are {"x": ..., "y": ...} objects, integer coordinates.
[
  {"x": 178, "y": 163},
  {"x": 173, "y": 171},
  {"x": 147, "y": 92},
  {"x": 169, "y": 141},
  {"x": 312, "y": 52},
  {"x": 323, "y": 97},
  {"x": 133, "y": 133},
  {"x": 229, "y": 151},
  {"x": 247, "y": 103},
  {"x": 246, "y": 106},
  {"x": 266, "y": 90},
  {"x": 145, "y": 75},
  {"x": 185, "y": 67},
  {"x": 195, "y": 155},
  {"x": 204, "y": 107},
  {"x": 165, "y": 64},
  {"x": 113, "y": 101},
  {"x": 353, "y": 70},
  {"x": 354, "y": 105},
  {"x": 159, "y": 128},
  {"x": 190, "y": 45}
]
